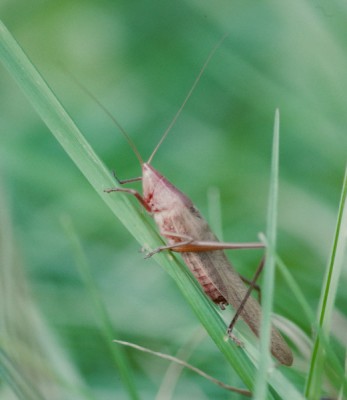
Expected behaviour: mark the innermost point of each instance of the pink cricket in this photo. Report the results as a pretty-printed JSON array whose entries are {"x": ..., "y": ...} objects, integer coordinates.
[{"x": 187, "y": 232}]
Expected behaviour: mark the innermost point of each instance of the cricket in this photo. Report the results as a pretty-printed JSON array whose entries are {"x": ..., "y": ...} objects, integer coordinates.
[{"x": 187, "y": 232}]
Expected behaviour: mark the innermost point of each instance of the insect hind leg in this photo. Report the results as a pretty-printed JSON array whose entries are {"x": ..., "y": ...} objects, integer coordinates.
[
  {"x": 255, "y": 286},
  {"x": 244, "y": 300},
  {"x": 172, "y": 247}
]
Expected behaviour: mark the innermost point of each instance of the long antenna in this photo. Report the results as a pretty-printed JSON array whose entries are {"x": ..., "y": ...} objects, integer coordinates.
[
  {"x": 123, "y": 131},
  {"x": 197, "y": 79},
  {"x": 119, "y": 126}
]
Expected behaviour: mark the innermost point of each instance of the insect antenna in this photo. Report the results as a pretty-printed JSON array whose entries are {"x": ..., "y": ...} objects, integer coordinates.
[
  {"x": 123, "y": 131},
  {"x": 108, "y": 113},
  {"x": 197, "y": 79}
]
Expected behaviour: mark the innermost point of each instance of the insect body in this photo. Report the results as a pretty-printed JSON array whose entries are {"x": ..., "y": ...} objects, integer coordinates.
[{"x": 187, "y": 232}]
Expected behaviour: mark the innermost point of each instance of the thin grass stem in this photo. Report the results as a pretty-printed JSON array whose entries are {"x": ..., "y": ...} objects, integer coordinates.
[{"x": 269, "y": 270}]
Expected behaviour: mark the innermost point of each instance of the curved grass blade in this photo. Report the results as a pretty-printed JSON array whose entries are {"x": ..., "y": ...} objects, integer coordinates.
[{"x": 188, "y": 366}]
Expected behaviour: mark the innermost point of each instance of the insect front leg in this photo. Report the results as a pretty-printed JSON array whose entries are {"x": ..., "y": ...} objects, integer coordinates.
[{"x": 134, "y": 193}]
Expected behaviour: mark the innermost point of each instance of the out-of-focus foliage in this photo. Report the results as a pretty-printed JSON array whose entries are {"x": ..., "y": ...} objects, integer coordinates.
[{"x": 140, "y": 59}]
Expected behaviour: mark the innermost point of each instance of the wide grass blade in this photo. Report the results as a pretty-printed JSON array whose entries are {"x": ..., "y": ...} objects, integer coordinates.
[
  {"x": 328, "y": 295},
  {"x": 68, "y": 135}
]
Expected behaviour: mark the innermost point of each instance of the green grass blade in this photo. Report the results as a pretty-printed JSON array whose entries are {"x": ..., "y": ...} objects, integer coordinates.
[
  {"x": 106, "y": 325},
  {"x": 66, "y": 132},
  {"x": 269, "y": 269},
  {"x": 56, "y": 118},
  {"x": 328, "y": 295}
]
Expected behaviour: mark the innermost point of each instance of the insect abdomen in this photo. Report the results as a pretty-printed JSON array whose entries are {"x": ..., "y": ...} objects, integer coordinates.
[{"x": 191, "y": 259}]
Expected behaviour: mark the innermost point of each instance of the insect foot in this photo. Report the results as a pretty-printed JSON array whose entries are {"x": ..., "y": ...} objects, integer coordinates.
[
  {"x": 151, "y": 253},
  {"x": 231, "y": 336}
]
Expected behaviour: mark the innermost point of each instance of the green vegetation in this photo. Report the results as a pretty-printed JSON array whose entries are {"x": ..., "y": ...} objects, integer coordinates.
[{"x": 72, "y": 278}]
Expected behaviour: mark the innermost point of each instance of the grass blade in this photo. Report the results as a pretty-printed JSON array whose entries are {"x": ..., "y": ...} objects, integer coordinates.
[
  {"x": 269, "y": 270},
  {"x": 328, "y": 295},
  {"x": 186, "y": 365}
]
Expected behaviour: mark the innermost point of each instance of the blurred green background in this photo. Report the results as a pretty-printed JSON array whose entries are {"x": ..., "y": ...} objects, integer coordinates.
[{"x": 140, "y": 60}]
